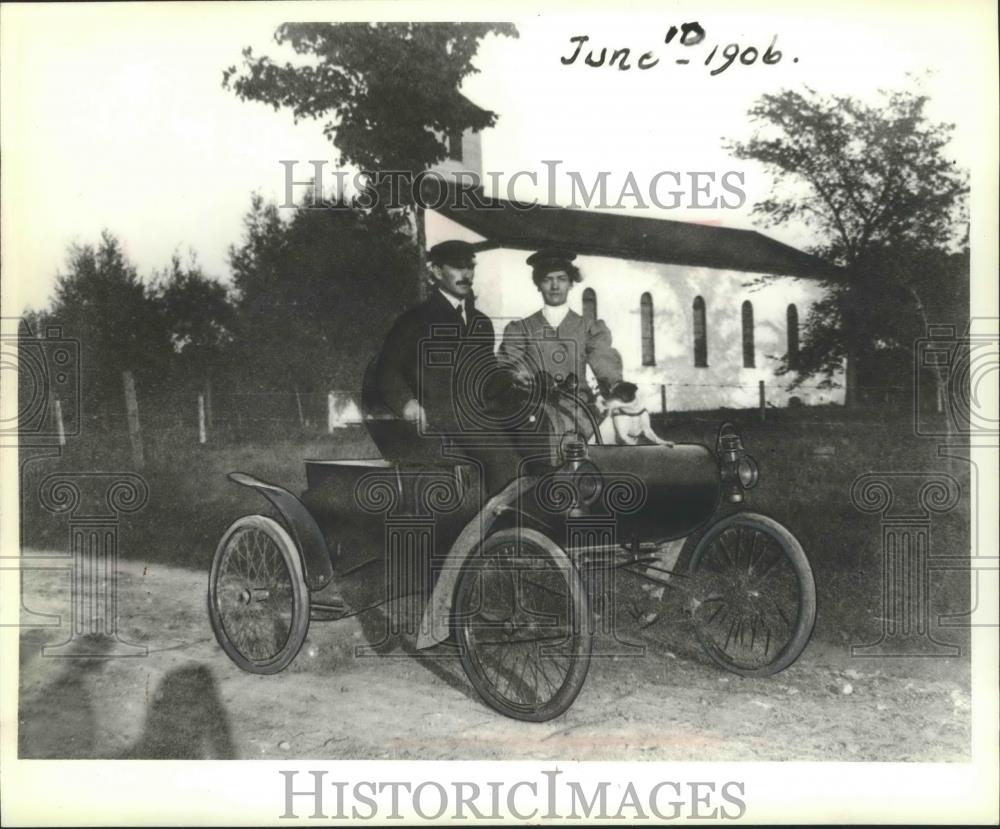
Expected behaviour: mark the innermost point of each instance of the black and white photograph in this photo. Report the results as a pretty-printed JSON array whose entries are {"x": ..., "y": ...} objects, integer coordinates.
[{"x": 499, "y": 413}]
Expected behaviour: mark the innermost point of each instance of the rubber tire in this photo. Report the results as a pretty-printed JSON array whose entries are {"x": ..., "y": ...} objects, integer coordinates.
[
  {"x": 807, "y": 591},
  {"x": 577, "y": 673},
  {"x": 300, "y": 595}
]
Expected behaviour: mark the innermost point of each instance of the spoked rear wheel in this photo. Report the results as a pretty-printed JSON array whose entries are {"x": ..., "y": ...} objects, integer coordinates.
[
  {"x": 753, "y": 597},
  {"x": 258, "y": 601},
  {"x": 523, "y": 625}
]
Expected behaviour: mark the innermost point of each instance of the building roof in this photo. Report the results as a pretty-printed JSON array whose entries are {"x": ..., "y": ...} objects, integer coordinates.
[
  {"x": 472, "y": 103},
  {"x": 621, "y": 235}
]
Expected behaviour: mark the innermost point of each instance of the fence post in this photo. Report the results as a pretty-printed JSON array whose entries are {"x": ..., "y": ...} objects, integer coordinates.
[
  {"x": 298, "y": 403},
  {"x": 60, "y": 428},
  {"x": 329, "y": 413},
  {"x": 763, "y": 400},
  {"x": 202, "y": 436},
  {"x": 663, "y": 398},
  {"x": 208, "y": 404},
  {"x": 132, "y": 413}
]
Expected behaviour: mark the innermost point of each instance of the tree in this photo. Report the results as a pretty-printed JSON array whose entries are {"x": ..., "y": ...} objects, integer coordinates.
[
  {"x": 873, "y": 182},
  {"x": 199, "y": 320},
  {"x": 392, "y": 89},
  {"x": 390, "y": 92},
  {"x": 316, "y": 294},
  {"x": 101, "y": 302}
]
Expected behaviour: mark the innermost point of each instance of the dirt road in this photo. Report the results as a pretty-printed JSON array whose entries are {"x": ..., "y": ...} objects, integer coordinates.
[{"x": 185, "y": 699}]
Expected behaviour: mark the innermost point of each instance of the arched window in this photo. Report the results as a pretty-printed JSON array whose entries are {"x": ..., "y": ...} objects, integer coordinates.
[
  {"x": 646, "y": 321},
  {"x": 700, "y": 337},
  {"x": 792, "y": 315},
  {"x": 589, "y": 304},
  {"x": 748, "y": 349}
]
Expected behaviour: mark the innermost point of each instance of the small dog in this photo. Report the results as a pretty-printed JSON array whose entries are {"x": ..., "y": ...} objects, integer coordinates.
[{"x": 626, "y": 422}]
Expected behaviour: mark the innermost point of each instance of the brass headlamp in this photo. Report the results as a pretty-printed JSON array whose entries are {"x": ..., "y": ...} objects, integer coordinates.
[
  {"x": 582, "y": 474},
  {"x": 738, "y": 470}
]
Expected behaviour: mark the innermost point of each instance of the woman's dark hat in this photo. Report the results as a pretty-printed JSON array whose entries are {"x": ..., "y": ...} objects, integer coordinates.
[{"x": 553, "y": 259}]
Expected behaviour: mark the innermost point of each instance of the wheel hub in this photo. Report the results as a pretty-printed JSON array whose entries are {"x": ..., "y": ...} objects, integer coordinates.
[{"x": 250, "y": 595}]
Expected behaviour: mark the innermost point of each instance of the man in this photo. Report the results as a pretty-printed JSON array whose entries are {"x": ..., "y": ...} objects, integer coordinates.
[
  {"x": 440, "y": 395},
  {"x": 557, "y": 340}
]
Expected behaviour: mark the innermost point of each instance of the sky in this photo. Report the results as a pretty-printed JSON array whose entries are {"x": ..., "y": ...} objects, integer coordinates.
[{"x": 115, "y": 116}]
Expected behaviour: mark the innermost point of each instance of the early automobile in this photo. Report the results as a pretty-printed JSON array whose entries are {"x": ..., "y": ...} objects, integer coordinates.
[{"x": 511, "y": 581}]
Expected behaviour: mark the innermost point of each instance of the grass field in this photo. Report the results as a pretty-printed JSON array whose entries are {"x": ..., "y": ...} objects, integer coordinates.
[{"x": 808, "y": 458}]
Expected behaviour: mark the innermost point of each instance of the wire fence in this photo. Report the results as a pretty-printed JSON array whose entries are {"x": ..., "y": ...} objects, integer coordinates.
[{"x": 216, "y": 419}]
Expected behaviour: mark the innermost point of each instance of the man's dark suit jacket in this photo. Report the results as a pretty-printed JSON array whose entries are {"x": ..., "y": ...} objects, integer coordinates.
[{"x": 400, "y": 377}]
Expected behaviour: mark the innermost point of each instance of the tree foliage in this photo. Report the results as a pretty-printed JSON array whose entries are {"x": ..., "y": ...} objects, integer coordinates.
[
  {"x": 874, "y": 183},
  {"x": 311, "y": 300},
  {"x": 199, "y": 319},
  {"x": 101, "y": 302},
  {"x": 316, "y": 294},
  {"x": 389, "y": 91}
]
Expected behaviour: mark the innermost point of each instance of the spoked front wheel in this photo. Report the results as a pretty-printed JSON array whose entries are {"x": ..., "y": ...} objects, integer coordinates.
[
  {"x": 522, "y": 620},
  {"x": 258, "y": 601},
  {"x": 753, "y": 597}
]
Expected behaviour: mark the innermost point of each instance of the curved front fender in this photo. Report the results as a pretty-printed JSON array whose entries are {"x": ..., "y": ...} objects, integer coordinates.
[
  {"x": 306, "y": 533},
  {"x": 436, "y": 622}
]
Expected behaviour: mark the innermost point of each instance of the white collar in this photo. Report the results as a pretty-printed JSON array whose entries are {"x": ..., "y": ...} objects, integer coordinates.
[
  {"x": 456, "y": 303},
  {"x": 555, "y": 314}
]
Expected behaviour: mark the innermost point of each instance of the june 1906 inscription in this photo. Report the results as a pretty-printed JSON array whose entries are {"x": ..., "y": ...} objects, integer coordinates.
[{"x": 584, "y": 53}]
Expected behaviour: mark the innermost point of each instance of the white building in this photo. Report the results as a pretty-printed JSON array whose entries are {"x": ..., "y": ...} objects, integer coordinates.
[{"x": 683, "y": 301}]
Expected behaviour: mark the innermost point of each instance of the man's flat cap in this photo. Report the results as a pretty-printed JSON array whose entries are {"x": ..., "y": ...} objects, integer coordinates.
[{"x": 454, "y": 252}]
